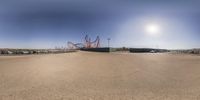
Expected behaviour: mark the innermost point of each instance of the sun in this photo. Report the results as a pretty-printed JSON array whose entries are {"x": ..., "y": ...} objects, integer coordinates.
[{"x": 152, "y": 29}]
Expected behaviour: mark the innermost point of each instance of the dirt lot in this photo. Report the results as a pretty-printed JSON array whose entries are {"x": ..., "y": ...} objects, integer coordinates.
[{"x": 100, "y": 76}]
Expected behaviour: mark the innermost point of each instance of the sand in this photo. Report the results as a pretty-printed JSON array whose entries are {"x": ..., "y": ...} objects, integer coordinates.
[{"x": 100, "y": 76}]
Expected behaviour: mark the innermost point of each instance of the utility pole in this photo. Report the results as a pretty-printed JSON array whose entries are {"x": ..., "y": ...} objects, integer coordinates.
[{"x": 108, "y": 42}]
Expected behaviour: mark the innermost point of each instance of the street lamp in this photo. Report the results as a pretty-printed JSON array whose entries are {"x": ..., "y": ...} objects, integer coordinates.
[{"x": 108, "y": 42}]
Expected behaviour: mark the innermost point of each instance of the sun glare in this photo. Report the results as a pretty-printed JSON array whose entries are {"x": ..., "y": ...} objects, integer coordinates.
[{"x": 152, "y": 29}]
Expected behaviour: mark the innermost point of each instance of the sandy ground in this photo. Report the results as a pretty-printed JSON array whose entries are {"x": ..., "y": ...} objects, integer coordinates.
[{"x": 100, "y": 76}]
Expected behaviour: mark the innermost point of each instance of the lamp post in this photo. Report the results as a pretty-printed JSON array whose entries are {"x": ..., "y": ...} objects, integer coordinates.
[{"x": 108, "y": 42}]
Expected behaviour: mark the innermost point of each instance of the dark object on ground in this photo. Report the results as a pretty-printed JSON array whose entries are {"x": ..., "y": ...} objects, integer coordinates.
[
  {"x": 106, "y": 49},
  {"x": 8, "y": 51},
  {"x": 147, "y": 50}
]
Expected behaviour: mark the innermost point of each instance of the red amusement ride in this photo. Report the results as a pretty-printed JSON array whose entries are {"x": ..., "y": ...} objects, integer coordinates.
[{"x": 87, "y": 43}]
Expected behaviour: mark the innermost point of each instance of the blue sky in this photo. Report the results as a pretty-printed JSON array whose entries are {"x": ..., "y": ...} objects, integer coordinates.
[{"x": 50, "y": 23}]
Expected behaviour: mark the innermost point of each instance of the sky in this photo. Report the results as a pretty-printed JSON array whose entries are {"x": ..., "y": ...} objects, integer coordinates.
[{"x": 51, "y": 23}]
